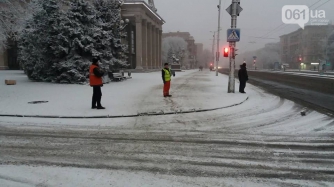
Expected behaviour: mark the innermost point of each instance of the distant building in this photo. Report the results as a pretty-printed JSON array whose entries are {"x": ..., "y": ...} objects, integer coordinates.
[
  {"x": 306, "y": 45},
  {"x": 191, "y": 48}
]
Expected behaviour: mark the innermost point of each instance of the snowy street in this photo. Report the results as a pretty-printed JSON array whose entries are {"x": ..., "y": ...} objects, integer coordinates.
[{"x": 256, "y": 139}]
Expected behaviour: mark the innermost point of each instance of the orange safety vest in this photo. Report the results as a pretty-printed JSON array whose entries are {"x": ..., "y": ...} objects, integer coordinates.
[{"x": 94, "y": 80}]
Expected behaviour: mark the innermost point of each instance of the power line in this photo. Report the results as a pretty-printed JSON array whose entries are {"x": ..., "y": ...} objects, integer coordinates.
[
  {"x": 278, "y": 28},
  {"x": 309, "y": 6},
  {"x": 284, "y": 23},
  {"x": 322, "y": 4}
]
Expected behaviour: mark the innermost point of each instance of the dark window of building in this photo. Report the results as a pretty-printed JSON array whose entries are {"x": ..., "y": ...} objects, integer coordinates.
[{"x": 133, "y": 42}]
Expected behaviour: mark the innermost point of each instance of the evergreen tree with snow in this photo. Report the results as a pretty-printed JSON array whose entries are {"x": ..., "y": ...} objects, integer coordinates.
[
  {"x": 38, "y": 50},
  {"x": 78, "y": 32},
  {"x": 58, "y": 47},
  {"x": 109, "y": 33}
]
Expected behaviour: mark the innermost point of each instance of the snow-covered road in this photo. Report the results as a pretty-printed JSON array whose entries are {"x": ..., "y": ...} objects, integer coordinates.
[{"x": 262, "y": 142}]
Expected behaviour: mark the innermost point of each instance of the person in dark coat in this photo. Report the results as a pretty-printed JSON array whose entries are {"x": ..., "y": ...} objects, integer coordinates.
[
  {"x": 95, "y": 80},
  {"x": 243, "y": 77}
]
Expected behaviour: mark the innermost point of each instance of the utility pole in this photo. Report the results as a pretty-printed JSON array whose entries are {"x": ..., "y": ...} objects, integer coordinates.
[
  {"x": 213, "y": 46},
  {"x": 218, "y": 51},
  {"x": 234, "y": 11}
]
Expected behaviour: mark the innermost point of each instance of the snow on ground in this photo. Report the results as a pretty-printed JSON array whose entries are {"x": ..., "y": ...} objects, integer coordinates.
[
  {"x": 121, "y": 98},
  {"x": 262, "y": 142},
  {"x": 327, "y": 75},
  {"x": 262, "y": 112},
  {"x": 27, "y": 176}
]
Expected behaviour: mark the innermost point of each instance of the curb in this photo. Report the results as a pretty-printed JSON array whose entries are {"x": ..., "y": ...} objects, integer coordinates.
[{"x": 121, "y": 116}]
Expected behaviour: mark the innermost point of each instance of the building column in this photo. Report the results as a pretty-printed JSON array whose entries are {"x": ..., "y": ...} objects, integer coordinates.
[
  {"x": 149, "y": 45},
  {"x": 144, "y": 46},
  {"x": 153, "y": 47},
  {"x": 139, "y": 51},
  {"x": 159, "y": 49}
]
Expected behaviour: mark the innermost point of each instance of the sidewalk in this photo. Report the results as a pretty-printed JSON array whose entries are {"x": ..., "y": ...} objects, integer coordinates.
[{"x": 192, "y": 91}]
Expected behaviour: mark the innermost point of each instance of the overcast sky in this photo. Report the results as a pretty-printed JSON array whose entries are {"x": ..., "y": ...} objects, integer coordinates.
[{"x": 259, "y": 18}]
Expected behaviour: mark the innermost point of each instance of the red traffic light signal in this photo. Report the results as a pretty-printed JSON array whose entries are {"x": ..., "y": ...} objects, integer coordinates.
[
  {"x": 300, "y": 59},
  {"x": 226, "y": 50}
]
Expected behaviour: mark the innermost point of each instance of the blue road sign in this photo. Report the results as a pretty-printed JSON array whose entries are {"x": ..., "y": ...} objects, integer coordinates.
[{"x": 233, "y": 35}]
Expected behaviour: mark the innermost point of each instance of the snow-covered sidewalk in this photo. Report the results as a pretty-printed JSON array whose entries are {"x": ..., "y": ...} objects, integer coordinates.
[{"x": 192, "y": 90}]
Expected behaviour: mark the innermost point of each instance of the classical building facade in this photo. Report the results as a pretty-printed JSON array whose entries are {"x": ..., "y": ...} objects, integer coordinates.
[
  {"x": 144, "y": 34},
  {"x": 307, "y": 45}
]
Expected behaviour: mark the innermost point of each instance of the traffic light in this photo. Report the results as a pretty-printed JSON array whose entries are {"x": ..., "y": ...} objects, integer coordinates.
[
  {"x": 300, "y": 59},
  {"x": 226, "y": 52}
]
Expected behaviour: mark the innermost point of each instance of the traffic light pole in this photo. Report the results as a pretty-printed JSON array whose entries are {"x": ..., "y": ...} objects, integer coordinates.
[
  {"x": 218, "y": 34},
  {"x": 232, "y": 45}
]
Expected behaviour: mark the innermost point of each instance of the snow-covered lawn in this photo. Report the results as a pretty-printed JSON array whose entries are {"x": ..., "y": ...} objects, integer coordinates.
[{"x": 142, "y": 93}]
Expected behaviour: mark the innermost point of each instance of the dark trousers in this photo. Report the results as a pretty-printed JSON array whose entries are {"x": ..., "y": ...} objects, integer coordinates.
[
  {"x": 97, "y": 94},
  {"x": 242, "y": 86}
]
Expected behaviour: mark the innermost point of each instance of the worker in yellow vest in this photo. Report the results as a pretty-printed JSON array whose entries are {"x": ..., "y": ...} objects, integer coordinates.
[{"x": 166, "y": 78}]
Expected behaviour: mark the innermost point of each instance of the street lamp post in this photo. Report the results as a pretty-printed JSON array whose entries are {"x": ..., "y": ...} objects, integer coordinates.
[
  {"x": 213, "y": 45},
  {"x": 218, "y": 53}
]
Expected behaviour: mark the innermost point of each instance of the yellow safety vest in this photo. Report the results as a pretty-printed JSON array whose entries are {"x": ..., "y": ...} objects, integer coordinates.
[{"x": 168, "y": 76}]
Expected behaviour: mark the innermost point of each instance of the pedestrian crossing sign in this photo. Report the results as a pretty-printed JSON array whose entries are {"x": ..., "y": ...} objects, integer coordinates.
[{"x": 233, "y": 35}]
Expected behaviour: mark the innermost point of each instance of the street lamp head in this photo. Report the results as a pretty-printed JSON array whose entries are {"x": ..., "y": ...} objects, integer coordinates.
[
  {"x": 121, "y": 2},
  {"x": 127, "y": 20},
  {"x": 122, "y": 22}
]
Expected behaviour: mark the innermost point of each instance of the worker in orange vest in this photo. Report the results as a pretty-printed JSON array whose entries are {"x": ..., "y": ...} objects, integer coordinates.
[
  {"x": 95, "y": 80},
  {"x": 166, "y": 78}
]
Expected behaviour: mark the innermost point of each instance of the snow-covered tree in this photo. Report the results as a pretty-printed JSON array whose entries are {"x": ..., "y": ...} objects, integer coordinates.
[
  {"x": 173, "y": 45},
  {"x": 13, "y": 14},
  {"x": 170, "y": 56},
  {"x": 79, "y": 33},
  {"x": 58, "y": 46},
  {"x": 108, "y": 34},
  {"x": 37, "y": 46}
]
